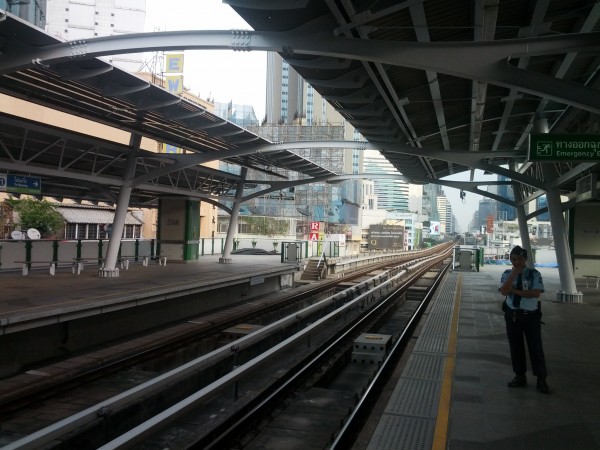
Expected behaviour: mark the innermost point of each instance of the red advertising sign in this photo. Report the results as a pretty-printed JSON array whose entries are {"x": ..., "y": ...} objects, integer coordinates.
[
  {"x": 489, "y": 224},
  {"x": 314, "y": 236},
  {"x": 315, "y": 226}
]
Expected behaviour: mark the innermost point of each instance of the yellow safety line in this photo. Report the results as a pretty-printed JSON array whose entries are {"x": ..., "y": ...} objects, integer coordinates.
[{"x": 440, "y": 435}]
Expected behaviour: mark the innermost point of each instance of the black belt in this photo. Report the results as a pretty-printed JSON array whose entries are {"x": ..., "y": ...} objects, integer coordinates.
[{"x": 523, "y": 312}]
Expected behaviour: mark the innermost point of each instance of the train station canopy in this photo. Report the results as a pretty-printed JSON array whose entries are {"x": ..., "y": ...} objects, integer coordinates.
[
  {"x": 449, "y": 86},
  {"x": 84, "y": 167}
]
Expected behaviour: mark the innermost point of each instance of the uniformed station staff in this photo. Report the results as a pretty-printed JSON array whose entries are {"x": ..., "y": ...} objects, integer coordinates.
[{"x": 522, "y": 287}]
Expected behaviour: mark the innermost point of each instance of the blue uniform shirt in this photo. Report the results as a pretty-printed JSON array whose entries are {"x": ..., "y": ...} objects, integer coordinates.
[{"x": 533, "y": 279}]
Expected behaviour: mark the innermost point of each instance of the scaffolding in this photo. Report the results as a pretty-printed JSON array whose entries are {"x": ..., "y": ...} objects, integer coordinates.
[{"x": 316, "y": 201}]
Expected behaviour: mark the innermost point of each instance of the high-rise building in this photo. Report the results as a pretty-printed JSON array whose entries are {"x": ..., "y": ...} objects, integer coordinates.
[
  {"x": 415, "y": 198},
  {"x": 296, "y": 112},
  {"x": 444, "y": 209},
  {"x": 430, "y": 195},
  {"x": 542, "y": 202},
  {"x": 504, "y": 211},
  {"x": 32, "y": 12},
  {"x": 487, "y": 209},
  {"x": 392, "y": 195},
  {"x": 76, "y": 19},
  {"x": 242, "y": 115}
]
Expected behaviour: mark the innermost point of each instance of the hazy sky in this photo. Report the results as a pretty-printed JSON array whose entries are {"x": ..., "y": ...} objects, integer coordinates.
[
  {"x": 241, "y": 76},
  {"x": 463, "y": 211},
  {"x": 223, "y": 75}
]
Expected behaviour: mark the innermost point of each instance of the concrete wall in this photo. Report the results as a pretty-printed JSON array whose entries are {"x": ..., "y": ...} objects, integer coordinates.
[
  {"x": 43, "y": 250},
  {"x": 31, "y": 346},
  {"x": 586, "y": 246}
]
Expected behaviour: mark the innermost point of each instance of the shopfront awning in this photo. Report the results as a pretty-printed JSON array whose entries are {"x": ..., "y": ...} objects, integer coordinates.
[{"x": 93, "y": 215}]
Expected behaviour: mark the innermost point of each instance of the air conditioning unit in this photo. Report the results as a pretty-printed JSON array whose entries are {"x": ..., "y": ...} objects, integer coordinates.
[{"x": 586, "y": 188}]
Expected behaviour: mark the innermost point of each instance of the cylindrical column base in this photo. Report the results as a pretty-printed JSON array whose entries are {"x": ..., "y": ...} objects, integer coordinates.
[
  {"x": 224, "y": 260},
  {"x": 569, "y": 297},
  {"x": 108, "y": 273}
]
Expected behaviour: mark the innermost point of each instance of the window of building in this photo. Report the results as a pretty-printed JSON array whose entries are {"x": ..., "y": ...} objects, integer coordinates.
[
  {"x": 71, "y": 231},
  {"x": 129, "y": 232},
  {"x": 92, "y": 231}
]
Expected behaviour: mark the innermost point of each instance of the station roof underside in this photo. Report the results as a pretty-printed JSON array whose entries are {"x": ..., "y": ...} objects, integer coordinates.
[
  {"x": 458, "y": 76},
  {"x": 82, "y": 167}
]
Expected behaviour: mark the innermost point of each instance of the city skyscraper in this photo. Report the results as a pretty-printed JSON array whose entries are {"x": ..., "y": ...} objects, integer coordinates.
[
  {"x": 487, "y": 209},
  {"x": 32, "y": 12},
  {"x": 295, "y": 112},
  {"x": 430, "y": 195},
  {"x": 542, "y": 202},
  {"x": 72, "y": 19},
  {"x": 504, "y": 211},
  {"x": 392, "y": 195},
  {"x": 444, "y": 209}
]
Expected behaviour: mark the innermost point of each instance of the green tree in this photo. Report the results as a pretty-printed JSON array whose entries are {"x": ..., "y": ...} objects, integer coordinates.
[
  {"x": 38, "y": 214},
  {"x": 265, "y": 225}
]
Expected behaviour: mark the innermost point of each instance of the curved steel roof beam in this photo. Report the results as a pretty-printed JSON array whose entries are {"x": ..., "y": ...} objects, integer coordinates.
[
  {"x": 267, "y": 4},
  {"x": 146, "y": 103},
  {"x": 377, "y": 73},
  {"x": 321, "y": 63},
  {"x": 354, "y": 79},
  {"x": 364, "y": 95},
  {"x": 184, "y": 114},
  {"x": 464, "y": 185},
  {"x": 112, "y": 89},
  {"x": 184, "y": 161},
  {"x": 486, "y": 61},
  {"x": 72, "y": 72},
  {"x": 587, "y": 26}
]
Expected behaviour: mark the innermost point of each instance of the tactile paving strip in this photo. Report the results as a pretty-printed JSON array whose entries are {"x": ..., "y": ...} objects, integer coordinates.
[{"x": 409, "y": 419}]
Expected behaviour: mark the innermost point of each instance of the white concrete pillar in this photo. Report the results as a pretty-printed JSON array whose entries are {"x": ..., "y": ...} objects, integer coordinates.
[
  {"x": 561, "y": 243},
  {"x": 523, "y": 230},
  {"x": 233, "y": 220},
  {"x": 110, "y": 264}
]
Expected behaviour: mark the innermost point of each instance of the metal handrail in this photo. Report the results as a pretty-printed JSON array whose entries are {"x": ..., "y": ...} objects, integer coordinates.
[{"x": 324, "y": 259}]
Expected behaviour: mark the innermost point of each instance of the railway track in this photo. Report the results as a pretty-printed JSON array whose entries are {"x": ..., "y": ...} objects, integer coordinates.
[{"x": 215, "y": 366}]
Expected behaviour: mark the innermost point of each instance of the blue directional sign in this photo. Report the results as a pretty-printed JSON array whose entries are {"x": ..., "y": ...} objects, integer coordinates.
[{"x": 23, "y": 184}]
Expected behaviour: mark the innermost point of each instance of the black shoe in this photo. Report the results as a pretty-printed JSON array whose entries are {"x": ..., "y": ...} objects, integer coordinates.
[
  {"x": 518, "y": 381},
  {"x": 542, "y": 386}
]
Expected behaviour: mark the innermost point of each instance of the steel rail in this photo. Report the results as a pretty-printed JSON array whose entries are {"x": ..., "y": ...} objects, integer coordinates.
[
  {"x": 142, "y": 431},
  {"x": 356, "y": 419},
  {"x": 241, "y": 423},
  {"x": 91, "y": 414}
]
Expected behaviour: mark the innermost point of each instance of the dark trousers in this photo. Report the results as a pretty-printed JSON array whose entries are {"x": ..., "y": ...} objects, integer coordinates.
[{"x": 522, "y": 327}]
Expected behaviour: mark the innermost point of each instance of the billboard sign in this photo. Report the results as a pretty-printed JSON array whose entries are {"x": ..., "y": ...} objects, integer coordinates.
[
  {"x": 434, "y": 228},
  {"x": 386, "y": 237}
]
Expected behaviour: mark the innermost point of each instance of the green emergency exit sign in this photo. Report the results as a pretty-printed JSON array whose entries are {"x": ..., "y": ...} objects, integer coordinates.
[{"x": 564, "y": 147}]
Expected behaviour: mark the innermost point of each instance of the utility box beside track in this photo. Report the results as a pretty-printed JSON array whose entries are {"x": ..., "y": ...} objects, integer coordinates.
[{"x": 371, "y": 348}]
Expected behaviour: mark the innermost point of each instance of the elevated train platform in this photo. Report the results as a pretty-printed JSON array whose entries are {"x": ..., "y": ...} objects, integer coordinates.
[
  {"x": 452, "y": 392},
  {"x": 38, "y": 295},
  {"x": 449, "y": 392}
]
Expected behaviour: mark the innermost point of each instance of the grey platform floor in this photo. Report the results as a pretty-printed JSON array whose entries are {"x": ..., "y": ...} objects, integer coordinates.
[
  {"x": 41, "y": 293},
  {"x": 483, "y": 413}
]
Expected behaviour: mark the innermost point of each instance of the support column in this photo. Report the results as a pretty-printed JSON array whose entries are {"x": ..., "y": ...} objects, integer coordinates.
[
  {"x": 233, "y": 221},
  {"x": 522, "y": 220},
  {"x": 566, "y": 274},
  {"x": 110, "y": 264}
]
